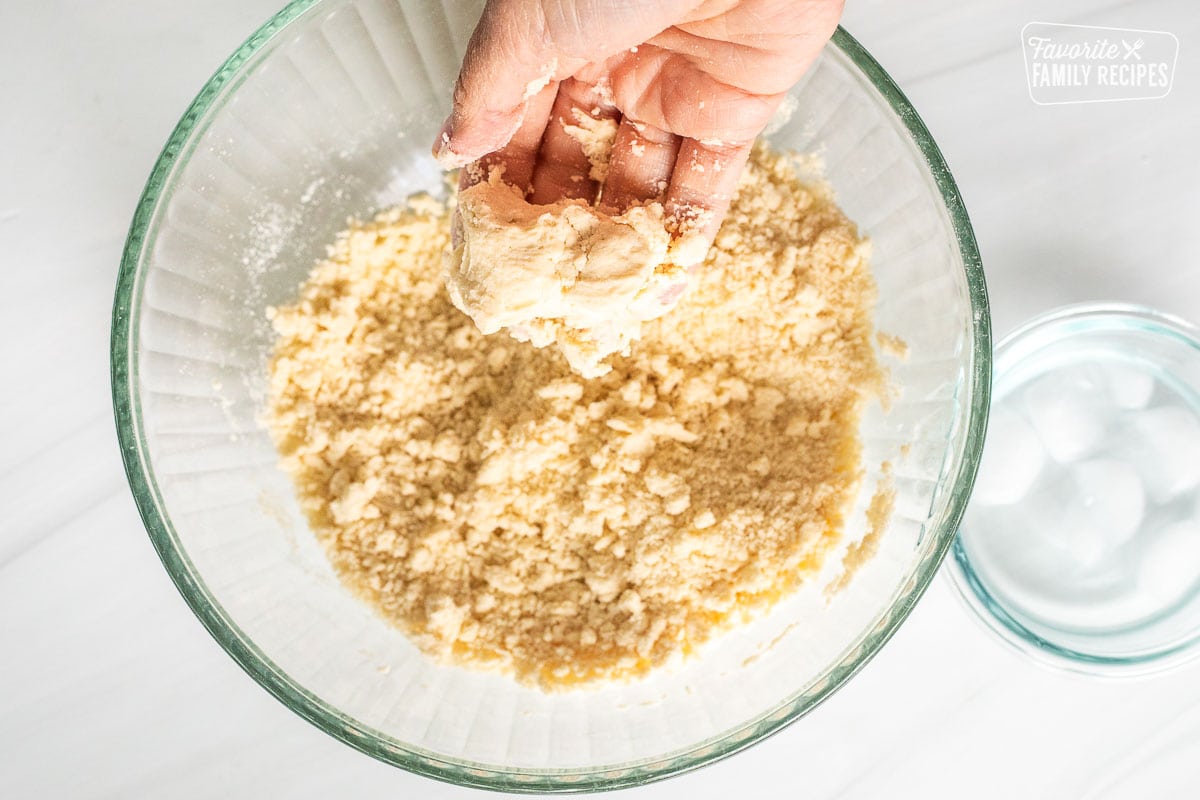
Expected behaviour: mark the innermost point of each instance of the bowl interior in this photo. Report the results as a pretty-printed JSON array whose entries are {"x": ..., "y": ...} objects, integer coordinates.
[{"x": 327, "y": 114}]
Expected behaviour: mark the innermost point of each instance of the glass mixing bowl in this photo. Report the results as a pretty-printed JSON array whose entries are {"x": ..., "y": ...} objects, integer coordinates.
[{"x": 327, "y": 113}]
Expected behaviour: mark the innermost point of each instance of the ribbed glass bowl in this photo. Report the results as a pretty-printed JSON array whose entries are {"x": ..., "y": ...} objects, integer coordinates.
[{"x": 327, "y": 113}]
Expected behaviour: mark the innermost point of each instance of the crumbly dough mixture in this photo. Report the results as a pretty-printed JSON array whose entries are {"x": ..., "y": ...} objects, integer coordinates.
[{"x": 503, "y": 511}]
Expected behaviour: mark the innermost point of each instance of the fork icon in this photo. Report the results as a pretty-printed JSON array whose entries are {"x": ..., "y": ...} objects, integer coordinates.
[{"x": 1132, "y": 50}]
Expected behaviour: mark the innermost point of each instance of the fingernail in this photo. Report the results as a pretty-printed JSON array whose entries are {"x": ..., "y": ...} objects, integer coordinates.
[
  {"x": 692, "y": 232},
  {"x": 441, "y": 146},
  {"x": 689, "y": 248},
  {"x": 439, "y": 138}
]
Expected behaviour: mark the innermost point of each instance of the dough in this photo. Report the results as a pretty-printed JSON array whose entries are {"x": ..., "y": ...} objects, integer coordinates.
[
  {"x": 564, "y": 273},
  {"x": 505, "y": 513}
]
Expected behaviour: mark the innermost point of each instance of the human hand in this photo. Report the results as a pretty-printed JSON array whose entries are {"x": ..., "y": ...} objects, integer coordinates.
[{"x": 690, "y": 83}]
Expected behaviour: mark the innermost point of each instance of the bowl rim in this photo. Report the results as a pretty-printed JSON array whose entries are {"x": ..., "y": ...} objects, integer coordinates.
[
  {"x": 129, "y": 424},
  {"x": 991, "y": 610}
]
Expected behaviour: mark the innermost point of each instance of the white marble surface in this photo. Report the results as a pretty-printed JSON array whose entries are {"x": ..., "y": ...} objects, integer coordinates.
[{"x": 112, "y": 689}]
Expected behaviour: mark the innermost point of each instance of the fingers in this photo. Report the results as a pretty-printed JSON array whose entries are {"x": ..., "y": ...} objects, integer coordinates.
[
  {"x": 508, "y": 62},
  {"x": 520, "y": 46},
  {"x": 575, "y": 145},
  {"x": 639, "y": 170},
  {"x": 516, "y": 159},
  {"x": 703, "y": 183},
  {"x": 519, "y": 156}
]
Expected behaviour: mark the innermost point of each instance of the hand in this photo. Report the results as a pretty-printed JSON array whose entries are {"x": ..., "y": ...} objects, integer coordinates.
[{"x": 690, "y": 83}]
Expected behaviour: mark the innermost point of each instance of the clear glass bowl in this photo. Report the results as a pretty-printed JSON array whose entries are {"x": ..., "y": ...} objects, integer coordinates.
[
  {"x": 1081, "y": 547},
  {"x": 326, "y": 113}
]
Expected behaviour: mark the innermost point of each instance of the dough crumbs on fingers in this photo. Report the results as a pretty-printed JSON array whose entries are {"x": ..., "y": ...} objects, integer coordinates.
[{"x": 595, "y": 135}]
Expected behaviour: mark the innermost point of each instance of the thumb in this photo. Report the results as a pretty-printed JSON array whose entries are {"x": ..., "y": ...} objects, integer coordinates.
[{"x": 509, "y": 60}]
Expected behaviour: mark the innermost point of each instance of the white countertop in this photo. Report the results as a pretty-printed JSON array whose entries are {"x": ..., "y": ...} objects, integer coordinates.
[{"x": 113, "y": 689}]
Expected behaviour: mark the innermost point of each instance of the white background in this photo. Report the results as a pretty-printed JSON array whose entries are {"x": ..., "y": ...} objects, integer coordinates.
[{"x": 110, "y": 688}]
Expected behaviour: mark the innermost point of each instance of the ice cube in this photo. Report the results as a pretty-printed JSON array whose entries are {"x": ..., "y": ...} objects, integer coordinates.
[
  {"x": 1170, "y": 565},
  {"x": 1108, "y": 497},
  {"x": 1012, "y": 459},
  {"x": 1128, "y": 386},
  {"x": 1063, "y": 525},
  {"x": 1070, "y": 412},
  {"x": 1166, "y": 451},
  {"x": 1048, "y": 555}
]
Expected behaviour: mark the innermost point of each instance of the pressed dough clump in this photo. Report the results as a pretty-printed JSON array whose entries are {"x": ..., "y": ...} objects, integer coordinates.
[
  {"x": 564, "y": 274},
  {"x": 502, "y": 510},
  {"x": 567, "y": 274}
]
